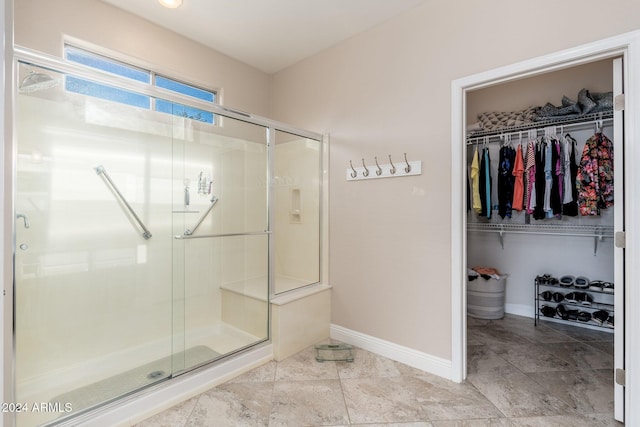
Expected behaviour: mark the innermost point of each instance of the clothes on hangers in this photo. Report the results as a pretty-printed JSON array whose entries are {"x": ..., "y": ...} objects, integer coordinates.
[
  {"x": 548, "y": 176},
  {"x": 594, "y": 180},
  {"x": 487, "y": 173},
  {"x": 557, "y": 177},
  {"x": 538, "y": 211},
  {"x": 475, "y": 182},
  {"x": 482, "y": 178},
  {"x": 505, "y": 180},
  {"x": 546, "y": 182},
  {"x": 517, "y": 203},
  {"x": 570, "y": 196},
  {"x": 530, "y": 168}
]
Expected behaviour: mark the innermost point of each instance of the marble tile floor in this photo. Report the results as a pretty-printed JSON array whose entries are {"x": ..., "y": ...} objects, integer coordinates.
[{"x": 518, "y": 375}]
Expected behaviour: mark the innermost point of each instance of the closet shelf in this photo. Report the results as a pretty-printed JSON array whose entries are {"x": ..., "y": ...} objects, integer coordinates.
[
  {"x": 598, "y": 232},
  {"x": 583, "y": 120}
]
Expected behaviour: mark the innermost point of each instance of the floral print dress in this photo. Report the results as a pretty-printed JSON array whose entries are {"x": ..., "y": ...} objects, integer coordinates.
[{"x": 594, "y": 181}]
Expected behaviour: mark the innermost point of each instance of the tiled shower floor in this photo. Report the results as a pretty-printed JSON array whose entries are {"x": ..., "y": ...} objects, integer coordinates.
[{"x": 518, "y": 375}]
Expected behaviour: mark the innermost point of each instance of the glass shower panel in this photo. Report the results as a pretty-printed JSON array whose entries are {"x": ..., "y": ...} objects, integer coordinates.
[
  {"x": 93, "y": 260},
  {"x": 296, "y": 200},
  {"x": 221, "y": 239}
]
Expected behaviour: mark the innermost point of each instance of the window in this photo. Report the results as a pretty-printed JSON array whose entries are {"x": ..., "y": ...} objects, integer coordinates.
[{"x": 110, "y": 93}]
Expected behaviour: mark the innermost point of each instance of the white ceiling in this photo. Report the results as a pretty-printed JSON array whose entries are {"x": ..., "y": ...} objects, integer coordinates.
[{"x": 269, "y": 34}]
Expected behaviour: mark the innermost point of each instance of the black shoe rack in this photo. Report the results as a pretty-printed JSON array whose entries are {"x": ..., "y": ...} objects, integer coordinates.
[{"x": 578, "y": 306}]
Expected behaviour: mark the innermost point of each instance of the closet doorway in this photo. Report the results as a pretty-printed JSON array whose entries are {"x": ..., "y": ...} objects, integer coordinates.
[{"x": 612, "y": 51}]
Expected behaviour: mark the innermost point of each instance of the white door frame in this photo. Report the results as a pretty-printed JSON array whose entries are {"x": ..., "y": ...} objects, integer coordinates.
[{"x": 625, "y": 45}]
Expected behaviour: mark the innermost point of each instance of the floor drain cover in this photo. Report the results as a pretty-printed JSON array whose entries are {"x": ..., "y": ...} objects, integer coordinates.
[{"x": 155, "y": 374}]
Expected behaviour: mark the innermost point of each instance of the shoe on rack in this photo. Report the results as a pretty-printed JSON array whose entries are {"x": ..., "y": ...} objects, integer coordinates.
[
  {"x": 600, "y": 316},
  {"x": 584, "y": 316},
  {"x": 587, "y": 299},
  {"x": 596, "y": 285},
  {"x": 609, "y": 322},
  {"x": 572, "y": 314},
  {"x": 546, "y": 279},
  {"x": 557, "y": 297},
  {"x": 581, "y": 282},
  {"x": 582, "y": 298},
  {"x": 547, "y": 295},
  {"x": 567, "y": 280},
  {"x": 607, "y": 287},
  {"x": 548, "y": 311},
  {"x": 571, "y": 297},
  {"x": 562, "y": 312}
]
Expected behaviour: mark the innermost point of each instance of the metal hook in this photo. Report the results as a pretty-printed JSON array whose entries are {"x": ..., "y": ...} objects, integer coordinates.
[
  {"x": 354, "y": 173},
  {"x": 379, "y": 171},
  {"x": 598, "y": 124},
  {"x": 366, "y": 170},
  {"x": 407, "y": 169},
  {"x": 24, "y": 218},
  {"x": 392, "y": 171}
]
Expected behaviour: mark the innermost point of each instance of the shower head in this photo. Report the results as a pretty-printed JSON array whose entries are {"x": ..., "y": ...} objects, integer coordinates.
[{"x": 36, "y": 81}]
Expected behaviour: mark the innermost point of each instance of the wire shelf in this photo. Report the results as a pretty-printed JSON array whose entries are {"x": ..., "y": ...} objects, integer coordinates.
[
  {"x": 580, "y": 120},
  {"x": 597, "y": 232},
  {"x": 564, "y": 229}
]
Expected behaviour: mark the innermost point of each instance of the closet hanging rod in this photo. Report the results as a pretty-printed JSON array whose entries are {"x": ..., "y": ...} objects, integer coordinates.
[{"x": 585, "y": 120}]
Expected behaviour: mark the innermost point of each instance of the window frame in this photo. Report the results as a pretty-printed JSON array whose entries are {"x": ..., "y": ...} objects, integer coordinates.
[{"x": 99, "y": 55}]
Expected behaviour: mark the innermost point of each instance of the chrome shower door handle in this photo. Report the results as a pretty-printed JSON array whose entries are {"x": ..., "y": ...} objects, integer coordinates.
[
  {"x": 100, "y": 170},
  {"x": 190, "y": 231}
]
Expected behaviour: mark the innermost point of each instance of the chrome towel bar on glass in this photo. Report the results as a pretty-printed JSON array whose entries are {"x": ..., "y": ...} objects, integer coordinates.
[{"x": 209, "y": 236}]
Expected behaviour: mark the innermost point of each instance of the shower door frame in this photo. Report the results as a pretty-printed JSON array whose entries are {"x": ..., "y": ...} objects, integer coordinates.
[{"x": 13, "y": 57}]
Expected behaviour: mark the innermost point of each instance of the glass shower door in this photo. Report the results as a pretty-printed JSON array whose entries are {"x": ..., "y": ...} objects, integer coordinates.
[
  {"x": 141, "y": 243},
  {"x": 93, "y": 256},
  {"x": 221, "y": 274}
]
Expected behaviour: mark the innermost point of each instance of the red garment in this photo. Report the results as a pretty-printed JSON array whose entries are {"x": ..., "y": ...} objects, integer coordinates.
[{"x": 518, "y": 186}]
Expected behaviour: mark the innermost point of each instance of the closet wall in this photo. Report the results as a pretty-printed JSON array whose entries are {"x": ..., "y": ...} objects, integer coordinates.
[{"x": 524, "y": 256}]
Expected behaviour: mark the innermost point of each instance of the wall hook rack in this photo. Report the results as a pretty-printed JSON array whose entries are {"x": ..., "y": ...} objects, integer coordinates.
[{"x": 387, "y": 170}]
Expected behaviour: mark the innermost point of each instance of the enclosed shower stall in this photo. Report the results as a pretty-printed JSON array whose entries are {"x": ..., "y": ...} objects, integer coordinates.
[{"x": 148, "y": 242}]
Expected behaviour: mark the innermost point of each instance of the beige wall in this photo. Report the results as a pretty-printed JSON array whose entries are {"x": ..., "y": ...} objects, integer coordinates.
[
  {"x": 388, "y": 91},
  {"x": 41, "y": 25}
]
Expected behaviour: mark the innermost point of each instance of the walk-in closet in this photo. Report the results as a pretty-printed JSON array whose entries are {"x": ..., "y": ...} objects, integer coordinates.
[{"x": 541, "y": 199}]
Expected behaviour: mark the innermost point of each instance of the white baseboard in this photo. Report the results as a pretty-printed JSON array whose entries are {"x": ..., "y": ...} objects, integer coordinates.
[
  {"x": 519, "y": 309},
  {"x": 408, "y": 356}
]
